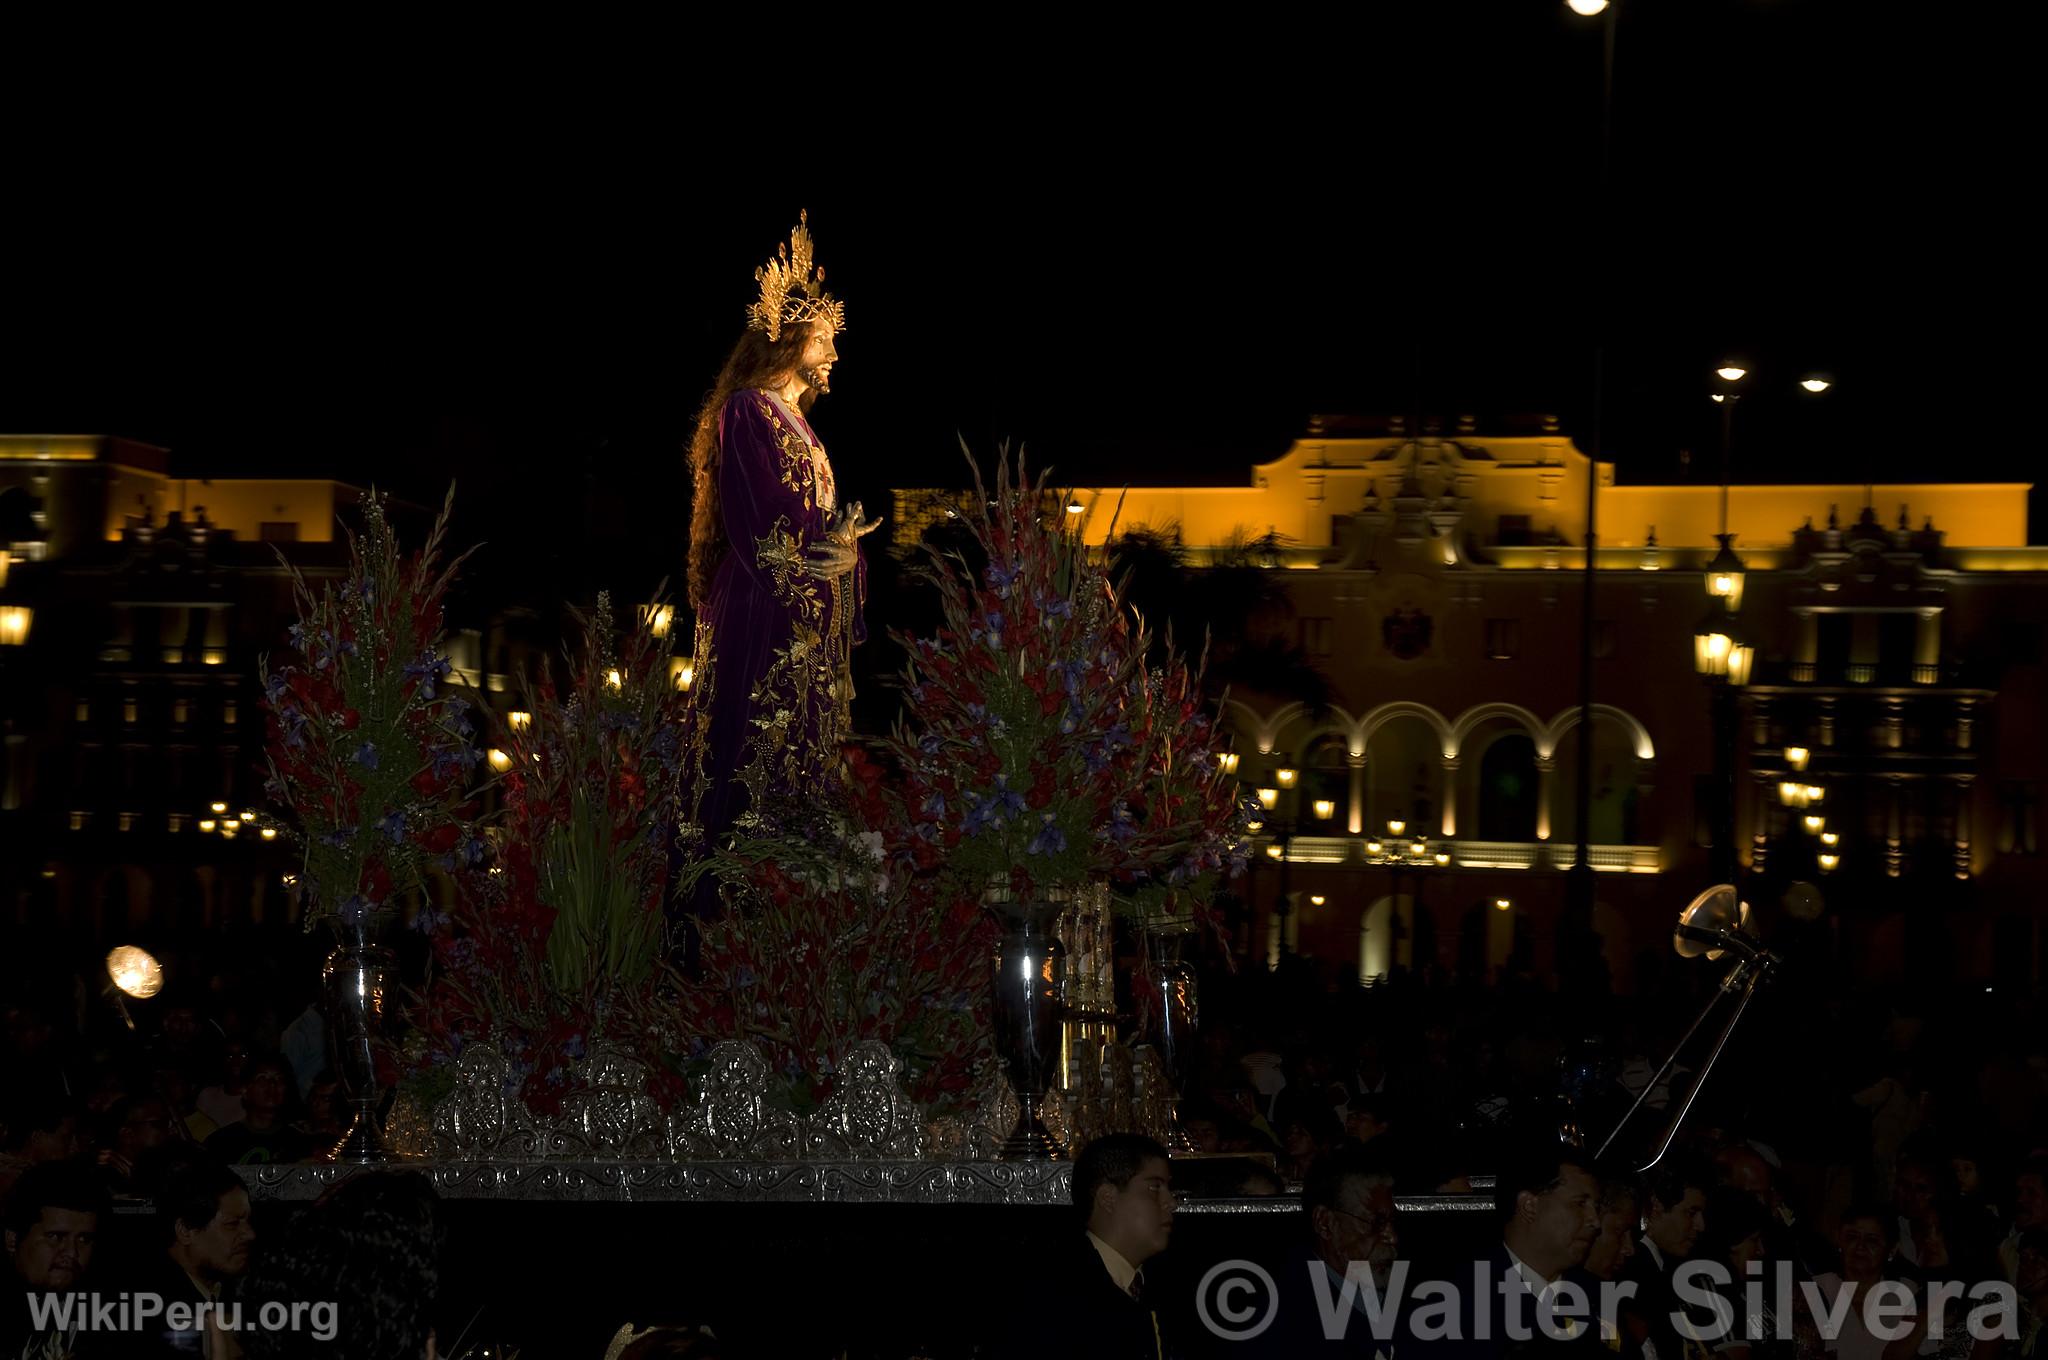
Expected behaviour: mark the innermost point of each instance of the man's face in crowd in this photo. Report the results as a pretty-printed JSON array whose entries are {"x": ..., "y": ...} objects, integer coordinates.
[
  {"x": 1675, "y": 1229},
  {"x": 1615, "y": 1243},
  {"x": 1141, "y": 1214},
  {"x": 1567, "y": 1216},
  {"x": 1361, "y": 1228},
  {"x": 54, "y": 1252},
  {"x": 220, "y": 1250}
]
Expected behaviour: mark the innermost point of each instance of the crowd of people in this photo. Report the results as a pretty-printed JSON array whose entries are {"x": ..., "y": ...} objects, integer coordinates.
[{"x": 1847, "y": 1138}]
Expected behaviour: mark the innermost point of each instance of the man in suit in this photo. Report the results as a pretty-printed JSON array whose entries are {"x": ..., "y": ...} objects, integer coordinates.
[
  {"x": 1674, "y": 1215},
  {"x": 1092, "y": 1300},
  {"x": 1517, "y": 1300},
  {"x": 1350, "y": 1243}
]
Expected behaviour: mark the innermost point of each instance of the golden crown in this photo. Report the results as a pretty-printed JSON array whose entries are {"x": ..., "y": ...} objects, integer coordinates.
[{"x": 793, "y": 289}]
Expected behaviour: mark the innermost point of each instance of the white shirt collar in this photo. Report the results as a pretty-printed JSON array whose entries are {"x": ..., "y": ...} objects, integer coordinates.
[{"x": 1120, "y": 1270}]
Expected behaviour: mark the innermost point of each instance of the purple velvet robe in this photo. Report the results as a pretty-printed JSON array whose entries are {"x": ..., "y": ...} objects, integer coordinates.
[{"x": 771, "y": 682}]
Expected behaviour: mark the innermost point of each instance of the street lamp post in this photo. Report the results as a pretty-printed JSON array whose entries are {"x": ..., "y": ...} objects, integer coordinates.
[{"x": 1721, "y": 655}]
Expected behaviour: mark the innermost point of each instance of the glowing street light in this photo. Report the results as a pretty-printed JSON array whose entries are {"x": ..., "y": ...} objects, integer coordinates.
[
  {"x": 1395, "y": 826},
  {"x": 1731, "y": 373},
  {"x": 1796, "y": 757},
  {"x": 500, "y": 760},
  {"x": 1815, "y": 384},
  {"x": 1285, "y": 777},
  {"x": 1315, "y": 899},
  {"x": 1502, "y": 904},
  {"x": 1326, "y": 808},
  {"x": 1269, "y": 798},
  {"x": 1586, "y": 8}
]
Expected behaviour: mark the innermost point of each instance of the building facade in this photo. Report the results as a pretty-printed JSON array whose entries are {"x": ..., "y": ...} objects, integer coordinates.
[{"x": 1428, "y": 817}]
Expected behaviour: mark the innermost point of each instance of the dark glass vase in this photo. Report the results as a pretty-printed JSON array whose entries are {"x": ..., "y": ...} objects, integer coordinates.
[{"x": 1029, "y": 975}]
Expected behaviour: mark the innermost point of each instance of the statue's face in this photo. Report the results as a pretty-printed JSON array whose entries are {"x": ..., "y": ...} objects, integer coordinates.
[{"x": 815, "y": 366}]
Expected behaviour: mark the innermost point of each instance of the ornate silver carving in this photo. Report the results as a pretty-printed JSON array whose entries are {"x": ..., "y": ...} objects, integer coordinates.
[
  {"x": 483, "y": 1117},
  {"x": 995, "y": 1114},
  {"x": 732, "y": 1116},
  {"x": 730, "y": 1182},
  {"x": 867, "y": 1114},
  {"x": 611, "y": 1116}
]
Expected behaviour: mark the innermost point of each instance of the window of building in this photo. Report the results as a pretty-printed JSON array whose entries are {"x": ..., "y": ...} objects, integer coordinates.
[
  {"x": 1316, "y": 636},
  {"x": 181, "y": 711},
  {"x": 83, "y": 712},
  {"x": 1513, "y": 532},
  {"x": 129, "y": 710},
  {"x": 2019, "y": 817},
  {"x": 1503, "y": 639},
  {"x": 227, "y": 713}
]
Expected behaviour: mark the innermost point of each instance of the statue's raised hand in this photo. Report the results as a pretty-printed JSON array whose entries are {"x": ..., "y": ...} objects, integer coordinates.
[{"x": 838, "y": 552}]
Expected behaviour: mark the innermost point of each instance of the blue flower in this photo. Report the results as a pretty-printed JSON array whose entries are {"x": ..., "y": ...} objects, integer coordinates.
[
  {"x": 277, "y": 684},
  {"x": 572, "y": 1047},
  {"x": 366, "y": 755},
  {"x": 999, "y": 578},
  {"x": 1050, "y": 840},
  {"x": 427, "y": 670},
  {"x": 743, "y": 976},
  {"x": 473, "y": 851},
  {"x": 1121, "y": 826},
  {"x": 394, "y": 827},
  {"x": 429, "y": 919},
  {"x": 298, "y": 636},
  {"x": 929, "y": 743},
  {"x": 339, "y": 837},
  {"x": 934, "y": 806},
  {"x": 347, "y": 647},
  {"x": 1070, "y": 674},
  {"x": 1007, "y": 799}
]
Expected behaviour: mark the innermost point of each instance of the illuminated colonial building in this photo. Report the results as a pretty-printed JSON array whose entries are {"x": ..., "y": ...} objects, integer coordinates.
[{"x": 1893, "y": 634}]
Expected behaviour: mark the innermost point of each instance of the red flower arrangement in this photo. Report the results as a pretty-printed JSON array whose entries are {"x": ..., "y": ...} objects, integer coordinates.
[
  {"x": 1039, "y": 745},
  {"x": 368, "y": 747},
  {"x": 559, "y": 945},
  {"x": 829, "y": 941}
]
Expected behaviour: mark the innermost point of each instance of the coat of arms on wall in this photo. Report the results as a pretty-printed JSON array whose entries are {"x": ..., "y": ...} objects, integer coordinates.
[{"x": 1406, "y": 632}]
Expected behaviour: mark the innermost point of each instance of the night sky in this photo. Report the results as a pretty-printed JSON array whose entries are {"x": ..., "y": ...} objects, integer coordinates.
[{"x": 1148, "y": 255}]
